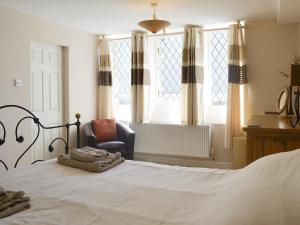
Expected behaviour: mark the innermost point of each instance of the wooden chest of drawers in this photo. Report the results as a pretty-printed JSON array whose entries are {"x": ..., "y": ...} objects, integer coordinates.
[{"x": 269, "y": 134}]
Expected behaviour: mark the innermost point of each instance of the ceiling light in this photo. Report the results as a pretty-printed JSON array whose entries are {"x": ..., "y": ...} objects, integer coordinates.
[{"x": 155, "y": 24}]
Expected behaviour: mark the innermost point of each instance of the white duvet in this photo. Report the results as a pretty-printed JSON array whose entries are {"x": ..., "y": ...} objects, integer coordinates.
[{"x": 137, "y": 193}]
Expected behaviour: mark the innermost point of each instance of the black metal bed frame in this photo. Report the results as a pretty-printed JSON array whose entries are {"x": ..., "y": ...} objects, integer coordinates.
[{"x": 20, "y": 138}]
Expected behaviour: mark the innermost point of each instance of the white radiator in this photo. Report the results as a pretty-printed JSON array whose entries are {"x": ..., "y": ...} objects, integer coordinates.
[{"x": 178, "y": 140}]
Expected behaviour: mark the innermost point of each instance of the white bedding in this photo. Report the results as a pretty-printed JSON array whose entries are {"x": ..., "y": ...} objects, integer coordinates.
[{"x": 136, "y": 193}]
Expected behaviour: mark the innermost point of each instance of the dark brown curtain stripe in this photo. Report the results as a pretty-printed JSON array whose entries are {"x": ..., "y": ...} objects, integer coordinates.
[
  {"x": 140, "y": 77},
  {"x": 105, "y": 78},
  {"x": 237, "y": 74},
  {"x": 190, "y": 74},
  {"x": 137, "y": 76}
]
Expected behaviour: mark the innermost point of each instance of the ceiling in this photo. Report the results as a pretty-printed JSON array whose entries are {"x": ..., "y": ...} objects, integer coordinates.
[{"x": 121, "y": 16}]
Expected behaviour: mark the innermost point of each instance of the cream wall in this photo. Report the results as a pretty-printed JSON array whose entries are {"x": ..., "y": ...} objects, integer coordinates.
[
  {"x": 270, "y": 48},
  {"x": 17, "y": 31}
]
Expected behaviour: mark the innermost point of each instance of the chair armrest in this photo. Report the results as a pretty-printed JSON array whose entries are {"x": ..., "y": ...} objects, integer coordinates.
[
  {"x": 126, "y": 135},
  {"x": 90, "y": 136}
]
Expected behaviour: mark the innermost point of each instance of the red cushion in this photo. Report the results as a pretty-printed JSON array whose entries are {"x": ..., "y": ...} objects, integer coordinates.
[{"x": 105, "y": 129}]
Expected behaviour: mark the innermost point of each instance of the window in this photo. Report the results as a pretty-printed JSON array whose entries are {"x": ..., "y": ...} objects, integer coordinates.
[
  {"x": 170, "y": 57},
  {"x": 165, "y": 58},
  {"x": 216, "y": 76},
  {"x": 166, "y": 70},
  {"x": 121, "y": 67}
]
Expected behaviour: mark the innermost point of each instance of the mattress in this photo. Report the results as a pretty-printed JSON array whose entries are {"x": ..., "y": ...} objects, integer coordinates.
[{"x": 141, "y": 193}]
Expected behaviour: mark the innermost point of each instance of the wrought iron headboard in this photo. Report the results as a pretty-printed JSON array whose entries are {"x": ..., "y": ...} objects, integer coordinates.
[{"x": 20, "y": 138}]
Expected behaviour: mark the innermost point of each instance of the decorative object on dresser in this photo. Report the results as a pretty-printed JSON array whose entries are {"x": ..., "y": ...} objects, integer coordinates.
[
  {"x": 282, "y": 104},
  {"x": 294, "y": 81},
  {"x": 124, "y": 142},
  {"x": 269, "y": 134}
]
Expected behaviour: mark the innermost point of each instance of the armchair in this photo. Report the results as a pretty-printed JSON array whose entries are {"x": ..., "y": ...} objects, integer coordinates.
[{"x": 124, "y": 144}]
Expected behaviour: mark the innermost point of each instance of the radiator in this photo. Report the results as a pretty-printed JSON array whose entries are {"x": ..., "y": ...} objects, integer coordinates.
[{"x": 177, "y": 140}]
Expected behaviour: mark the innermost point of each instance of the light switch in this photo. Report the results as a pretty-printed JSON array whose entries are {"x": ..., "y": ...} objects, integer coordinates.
[{"x": 17, "y": 83}]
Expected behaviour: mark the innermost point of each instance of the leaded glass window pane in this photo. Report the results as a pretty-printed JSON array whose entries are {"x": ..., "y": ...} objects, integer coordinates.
[
  {"x": 170, "y": 57},
  {"x": 218, "y": 66},
  {"x": 121, "y": 63}
]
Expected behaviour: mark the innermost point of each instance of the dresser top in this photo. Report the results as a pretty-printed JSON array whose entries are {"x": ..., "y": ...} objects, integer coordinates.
[{"x": 270, "y": 123}]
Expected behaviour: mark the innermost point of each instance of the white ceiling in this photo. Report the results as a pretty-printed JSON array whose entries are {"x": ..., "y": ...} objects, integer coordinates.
[{"x": 121, "y": 16}]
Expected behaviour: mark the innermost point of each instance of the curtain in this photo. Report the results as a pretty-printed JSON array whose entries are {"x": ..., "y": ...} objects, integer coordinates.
[
  {"x": 140, "y": 76},
  {"x": 237, "y": 98},
  {"x": 192, "y": 76},
  {"x": 105, "y": 108}
]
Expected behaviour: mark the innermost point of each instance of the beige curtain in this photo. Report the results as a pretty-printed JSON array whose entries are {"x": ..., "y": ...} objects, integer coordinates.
[
  {"x": 140, "y": 75},
  {"x": 237, "y": 102},
  {"x": 192, "y": 76},
  {"x": 105, "y": 109}
]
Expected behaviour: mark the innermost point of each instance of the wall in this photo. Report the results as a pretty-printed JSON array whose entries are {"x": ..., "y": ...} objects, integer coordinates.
[
  {"x": 17, "y": 31},
  {"x": 270, "y": 48}
]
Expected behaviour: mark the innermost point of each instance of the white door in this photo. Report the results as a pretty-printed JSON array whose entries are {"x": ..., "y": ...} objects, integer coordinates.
[{"x": 46, "y": 97}]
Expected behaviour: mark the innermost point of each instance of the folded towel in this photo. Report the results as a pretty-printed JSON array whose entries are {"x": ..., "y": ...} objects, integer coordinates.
[
  {"x": 88, "y": 154},
  {"x": 111, "y": 157},
  {"x": 12, "y": 202},
  {"x": 88, "y": 166},
  {"x": 14, "y": 209},
  {"x": 10, "y": 195}
]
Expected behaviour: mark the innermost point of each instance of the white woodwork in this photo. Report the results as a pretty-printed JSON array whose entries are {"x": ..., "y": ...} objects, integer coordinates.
[
  {"x": 37, "y": 91},
  {"x": 46, "y": 100},
  {"x": 54, "y": 91},
  {"x": 37, "y": 56}
]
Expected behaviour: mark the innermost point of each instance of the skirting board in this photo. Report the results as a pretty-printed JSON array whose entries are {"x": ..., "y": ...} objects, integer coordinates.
[{"x": 181, "y": 161}]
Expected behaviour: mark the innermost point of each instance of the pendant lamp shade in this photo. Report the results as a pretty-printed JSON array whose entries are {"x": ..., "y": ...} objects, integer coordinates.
[{"x": 155, "y": 25}]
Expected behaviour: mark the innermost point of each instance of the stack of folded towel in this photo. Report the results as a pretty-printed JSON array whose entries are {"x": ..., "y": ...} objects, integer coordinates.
[
  {"x": 91, "y": 159},
  {"x": 12, "y": 202}
]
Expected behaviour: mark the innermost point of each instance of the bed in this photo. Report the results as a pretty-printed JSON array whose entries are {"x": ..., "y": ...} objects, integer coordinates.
[{"x": 141, "y": 193}]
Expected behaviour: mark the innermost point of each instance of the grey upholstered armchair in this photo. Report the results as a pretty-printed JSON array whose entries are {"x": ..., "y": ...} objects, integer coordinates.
[{"x": 124, "y": 144}]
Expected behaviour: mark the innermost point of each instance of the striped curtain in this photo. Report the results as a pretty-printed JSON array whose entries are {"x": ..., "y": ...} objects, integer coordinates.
[
  {"x": 140, "y": 75},
  {"x": 192, "y": 76},
  {"x": 105, "y": 109},
  {"x": 237, "y": 98}
]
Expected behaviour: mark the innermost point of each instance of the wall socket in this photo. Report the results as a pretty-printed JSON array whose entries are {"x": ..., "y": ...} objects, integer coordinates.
[{"x": 17, "y": 82}]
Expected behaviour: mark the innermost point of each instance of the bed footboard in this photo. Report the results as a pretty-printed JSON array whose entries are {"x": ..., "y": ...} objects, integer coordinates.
[{"x": 31, "y": 116}]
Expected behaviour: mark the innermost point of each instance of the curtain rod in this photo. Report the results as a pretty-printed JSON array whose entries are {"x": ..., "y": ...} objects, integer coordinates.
[{"x": 174, "y": 33}]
